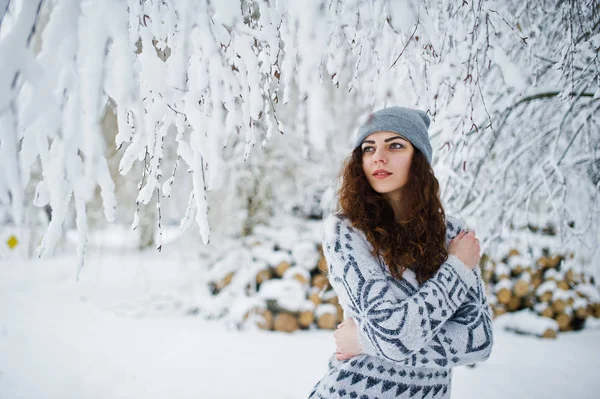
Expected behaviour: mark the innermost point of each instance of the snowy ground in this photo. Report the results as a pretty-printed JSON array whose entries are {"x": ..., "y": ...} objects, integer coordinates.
[{"x": 111, "y": 335}]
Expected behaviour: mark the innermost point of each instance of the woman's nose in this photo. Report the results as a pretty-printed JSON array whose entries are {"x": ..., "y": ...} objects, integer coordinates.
[{"x": 379, "y": 156}]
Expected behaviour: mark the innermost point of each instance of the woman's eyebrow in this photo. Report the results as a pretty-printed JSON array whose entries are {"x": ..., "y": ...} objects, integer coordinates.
[
  {"x": 394, "y": 138},
  {"x": 386, "y": 140}
]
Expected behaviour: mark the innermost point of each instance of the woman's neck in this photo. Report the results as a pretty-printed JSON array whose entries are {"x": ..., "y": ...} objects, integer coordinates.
[{"x": 395, "y": 202}]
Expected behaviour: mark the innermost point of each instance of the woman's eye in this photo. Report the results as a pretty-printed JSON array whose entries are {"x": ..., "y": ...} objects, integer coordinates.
[
  {"x": 396, "y": 145},
  {"x": 367, "y": 149}
]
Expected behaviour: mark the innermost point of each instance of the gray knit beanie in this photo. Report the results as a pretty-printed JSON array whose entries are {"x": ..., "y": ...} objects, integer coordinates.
[{"x": 412, "y": 124}]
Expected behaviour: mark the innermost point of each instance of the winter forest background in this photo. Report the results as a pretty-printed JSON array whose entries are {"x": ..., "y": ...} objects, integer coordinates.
[{"x": 157, "y": 156}]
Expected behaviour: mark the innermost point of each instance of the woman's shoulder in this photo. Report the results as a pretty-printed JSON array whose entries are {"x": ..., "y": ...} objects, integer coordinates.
[
  {"x": 338, "y": 233},
  {"x": 334, "y": 222},
  {"x": 337, "y": 224}
]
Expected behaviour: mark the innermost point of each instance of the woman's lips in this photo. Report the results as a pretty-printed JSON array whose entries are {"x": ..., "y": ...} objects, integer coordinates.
[{"x": 381, "y": 175}]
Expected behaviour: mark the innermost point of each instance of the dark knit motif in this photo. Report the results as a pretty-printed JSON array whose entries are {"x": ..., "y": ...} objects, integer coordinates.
[{"x": 411, "y": 334}]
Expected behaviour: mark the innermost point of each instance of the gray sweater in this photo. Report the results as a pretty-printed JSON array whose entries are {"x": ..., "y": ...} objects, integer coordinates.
[{"x": 411, "y": 334}]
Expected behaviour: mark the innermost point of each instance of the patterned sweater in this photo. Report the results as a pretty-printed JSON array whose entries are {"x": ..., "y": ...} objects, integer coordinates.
[{"x": 411, "y": 334}]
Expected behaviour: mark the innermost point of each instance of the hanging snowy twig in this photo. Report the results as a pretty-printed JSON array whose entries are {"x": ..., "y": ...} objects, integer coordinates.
[{"x": 223, "y": 74}]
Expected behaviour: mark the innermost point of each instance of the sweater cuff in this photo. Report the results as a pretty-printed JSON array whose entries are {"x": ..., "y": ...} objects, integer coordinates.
[{"x": 466, "y": 275}]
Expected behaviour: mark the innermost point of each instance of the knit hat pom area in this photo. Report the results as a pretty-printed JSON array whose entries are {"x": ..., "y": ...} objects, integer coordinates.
[{"x": 409, "y": 123}]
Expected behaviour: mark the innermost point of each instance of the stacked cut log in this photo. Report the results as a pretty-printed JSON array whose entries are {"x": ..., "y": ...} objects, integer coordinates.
[
  {"x": 321, "y": 309},
  {"x": 296, "y": 272},
  {"x": 289, "y": 281},
  {"x": 548, "y": 286}
]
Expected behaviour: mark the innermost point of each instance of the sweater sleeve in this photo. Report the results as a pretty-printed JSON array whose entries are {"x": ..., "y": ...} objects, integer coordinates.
[
  {"x": 467, "y": 337},
  {"x": 390, "y": 327}
]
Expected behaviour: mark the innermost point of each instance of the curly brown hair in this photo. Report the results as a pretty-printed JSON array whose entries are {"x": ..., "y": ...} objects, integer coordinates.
[{"x": 415, "y": 242}]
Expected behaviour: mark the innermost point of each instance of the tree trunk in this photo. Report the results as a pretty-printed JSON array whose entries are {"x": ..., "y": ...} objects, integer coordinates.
[{"x": 147, "y": 226}]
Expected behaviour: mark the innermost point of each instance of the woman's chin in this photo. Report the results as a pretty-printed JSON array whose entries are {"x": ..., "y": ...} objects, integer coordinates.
[{"x": 384, "y": 189}]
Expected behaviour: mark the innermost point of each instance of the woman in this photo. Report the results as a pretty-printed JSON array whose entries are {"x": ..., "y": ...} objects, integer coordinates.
[{"x": 405, "y": 274}]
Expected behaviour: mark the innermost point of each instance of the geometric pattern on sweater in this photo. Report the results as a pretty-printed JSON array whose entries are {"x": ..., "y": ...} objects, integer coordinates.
[
  {"x": 368, "y": 377},
  {"x": 411, "y": 334}
]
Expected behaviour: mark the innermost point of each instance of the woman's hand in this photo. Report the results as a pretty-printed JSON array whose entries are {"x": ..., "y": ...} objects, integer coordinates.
[
  {"x": 347, "y": 344},
  {"x": 465, "y": 246}
]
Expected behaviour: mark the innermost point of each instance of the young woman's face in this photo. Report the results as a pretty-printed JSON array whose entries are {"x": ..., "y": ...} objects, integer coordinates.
[{"x": 386, "y": 159}]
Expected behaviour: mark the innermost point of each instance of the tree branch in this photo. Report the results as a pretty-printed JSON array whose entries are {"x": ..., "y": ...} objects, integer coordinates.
[{"x": 406, "y": 45}]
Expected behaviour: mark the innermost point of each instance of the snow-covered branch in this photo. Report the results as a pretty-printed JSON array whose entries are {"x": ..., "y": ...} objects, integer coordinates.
[{"x": 512, "y": 88}]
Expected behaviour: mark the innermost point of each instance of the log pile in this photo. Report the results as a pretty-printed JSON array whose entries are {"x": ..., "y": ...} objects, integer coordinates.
[
  {"x": 548, "y": 286},
  {"x": 289, "y": 286},
  {"x": 278, "y": 281},
  {"x": 318, "y": 308}
]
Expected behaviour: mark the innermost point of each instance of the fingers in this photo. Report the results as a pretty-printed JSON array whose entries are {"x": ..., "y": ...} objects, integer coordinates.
[
  {"x": 463, "y": 233},
  {"x": 343, "y": 356},
  {"x": 457, "y": 238},
  {"x": 467, "y": 234}
]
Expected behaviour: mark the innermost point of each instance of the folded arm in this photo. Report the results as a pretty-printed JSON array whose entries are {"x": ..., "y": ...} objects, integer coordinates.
[
  {"x": 393, "y": 328},
  {"x": 465, "y": 338}
]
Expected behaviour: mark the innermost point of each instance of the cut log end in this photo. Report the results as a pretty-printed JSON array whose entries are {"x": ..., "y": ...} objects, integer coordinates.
[
  {"x": 305, "y": 319},
  {"x": 549, "y": 333},
  {"x": 224, "y": 282},
  {"x": 267, "y": 319},
  {"x": 547, "y": 312},
  {"x": 564, "y": 321},
  {"x": 513, "y": 252},
  {"x": 521, "y": 288},
  {"x": 340, "y": 313},
  {"x": 499, "y": 310},
  {"x": 504, "y": 296},
  {"x": 514, "y": 304},
  {"x": 327, "y": 321},
  {"x": 322, "y": 265},
  {"x": 285, "y": 322},
  {"x": 281, "y": 268},
  {"x": 559, "y": 305},
  {"x": 545, "y": 297},
  {"x": 582, "y": 312},
  {"x": 314, "y": 298},
  {"x": 320, "y": 281},
  {"x": 263, "y": 276}
]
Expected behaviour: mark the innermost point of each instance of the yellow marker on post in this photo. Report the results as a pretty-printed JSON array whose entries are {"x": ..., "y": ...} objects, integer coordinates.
[{"x": 12, "y": 242}]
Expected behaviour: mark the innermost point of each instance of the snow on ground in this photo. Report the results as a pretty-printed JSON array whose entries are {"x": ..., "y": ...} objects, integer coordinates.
[{"x": 121, "y": 332}]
